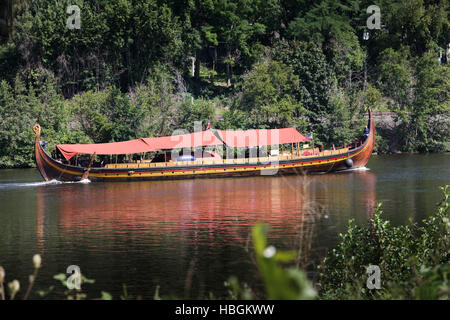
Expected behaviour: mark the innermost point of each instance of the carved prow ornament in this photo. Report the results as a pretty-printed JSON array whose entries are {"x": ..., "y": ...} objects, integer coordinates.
[{"x": 38, "y": 159}]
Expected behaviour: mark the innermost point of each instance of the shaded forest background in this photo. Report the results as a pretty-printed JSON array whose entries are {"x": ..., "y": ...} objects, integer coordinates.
[{"x": 140, "y": 68}]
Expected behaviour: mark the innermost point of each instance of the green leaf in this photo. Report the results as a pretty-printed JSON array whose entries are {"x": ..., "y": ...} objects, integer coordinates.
[
  {"x": 106, "y": 296},
  {"x": 60, "y": 276}
]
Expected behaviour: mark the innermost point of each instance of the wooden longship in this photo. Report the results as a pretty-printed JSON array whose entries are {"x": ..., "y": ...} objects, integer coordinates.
[{"x": 297, "y": 161}]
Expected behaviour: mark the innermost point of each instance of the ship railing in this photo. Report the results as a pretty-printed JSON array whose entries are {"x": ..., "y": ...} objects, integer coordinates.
[{"x": 269, "y": 159}]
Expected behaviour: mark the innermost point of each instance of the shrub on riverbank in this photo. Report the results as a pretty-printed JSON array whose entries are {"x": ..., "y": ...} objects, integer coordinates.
[{"x": 413, "y": 259}]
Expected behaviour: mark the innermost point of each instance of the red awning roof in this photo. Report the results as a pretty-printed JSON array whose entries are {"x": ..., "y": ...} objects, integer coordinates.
[
  {"x": 124, "y": 147},
  {"x": 260, "y": 137},
  {"x": 235, "y": 139},
  {"x": 189, "y": 140}
]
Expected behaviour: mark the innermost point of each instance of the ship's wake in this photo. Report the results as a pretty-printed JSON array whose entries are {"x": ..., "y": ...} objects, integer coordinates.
[
  {"x": 356, "y": 169},
  {"x": 39, "y": 183}
]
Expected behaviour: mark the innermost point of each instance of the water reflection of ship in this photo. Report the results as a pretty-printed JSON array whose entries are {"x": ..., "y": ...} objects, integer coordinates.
[
  {"x": 40, "y": 225},
  {"x": 210, "y": 212},
  {"x": 211, "y": 207}
]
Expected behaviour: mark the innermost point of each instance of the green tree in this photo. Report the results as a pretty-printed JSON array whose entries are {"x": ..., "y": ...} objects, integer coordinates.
[
  {"x": 268, "y": 96},
  {"x": 396, "y": 77},
  {"x": 109, "y": 115},
  {"x": 119, "y": 41},
  {"x": 195, "y": 110},
  {"x": 317, "y": 82},
  {"x": 160, "y": 98},
  {"x": 89, "y": 111},
  {"x": 21, "y": 107},
  {"x": 425, "y": 128},
  {"x": 419, "y": 24},
  {"x": 15, "y": 134},
  {"x": 237, "y": 29}
]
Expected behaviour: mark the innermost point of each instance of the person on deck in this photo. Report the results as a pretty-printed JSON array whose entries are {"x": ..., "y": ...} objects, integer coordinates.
[{"x": 366, "y": 132}]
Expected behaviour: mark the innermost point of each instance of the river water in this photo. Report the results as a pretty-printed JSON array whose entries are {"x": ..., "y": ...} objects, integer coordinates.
[{"x": 189, "y": 236}]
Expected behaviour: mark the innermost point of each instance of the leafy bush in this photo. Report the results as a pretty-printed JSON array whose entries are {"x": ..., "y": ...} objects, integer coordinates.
[
  {"x": 280, "y": 283},
  {"x": 411, "y": 259}
]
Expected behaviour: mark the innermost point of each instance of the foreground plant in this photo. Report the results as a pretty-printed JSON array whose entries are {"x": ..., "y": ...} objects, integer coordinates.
[
  {"x": 70, "y": 294},
  {"x": 280, "y": 283},
  {"x": 37, "y": 264},
  {"x": 14, "y": 286},
  {"x": 2, "y": 279},
  {"x": 73, "y": 292},
  {"x": 413, "y": 259}
]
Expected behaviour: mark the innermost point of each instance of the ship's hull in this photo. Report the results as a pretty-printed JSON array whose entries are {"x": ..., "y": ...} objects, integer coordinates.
[{"x": 327, "y": 161}]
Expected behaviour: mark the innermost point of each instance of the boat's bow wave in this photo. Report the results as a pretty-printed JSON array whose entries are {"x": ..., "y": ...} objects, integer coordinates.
[
  {"x": 38, "y": 183},
  {"x": 356, "y": 169}
]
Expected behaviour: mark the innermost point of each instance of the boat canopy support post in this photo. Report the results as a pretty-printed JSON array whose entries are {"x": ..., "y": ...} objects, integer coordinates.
[{"x": 86, "y": 173}]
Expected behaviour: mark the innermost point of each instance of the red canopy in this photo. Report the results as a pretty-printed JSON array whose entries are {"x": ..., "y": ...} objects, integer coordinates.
[
  {"x": 124, "y": 147},
  {"x": 189, "y": 140},
  {"x": 260, "y": 137},
  {"x": 235, "y": 139}
]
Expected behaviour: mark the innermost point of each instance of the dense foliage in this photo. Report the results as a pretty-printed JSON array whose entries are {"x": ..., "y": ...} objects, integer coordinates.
[
  {"x": 146, "y": 67},
  {"x": 414, "y": 260},
  {"x": 414, "y": 263}
]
